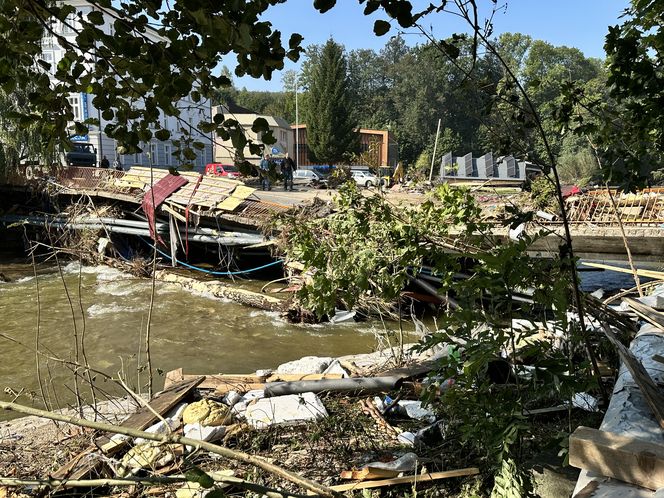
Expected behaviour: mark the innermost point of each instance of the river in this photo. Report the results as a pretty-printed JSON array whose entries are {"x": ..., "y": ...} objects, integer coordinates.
[{"x": 199, "y": 333}]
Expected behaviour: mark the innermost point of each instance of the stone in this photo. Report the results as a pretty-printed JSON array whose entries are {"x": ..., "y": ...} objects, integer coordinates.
[
  {"x": 162, "y": 427},
  {"x": 286, "y": 410},
  {"x": 207, "y": 412},
  {"x": 204, "y": 433},
  {"x": 306, "y": 365}
]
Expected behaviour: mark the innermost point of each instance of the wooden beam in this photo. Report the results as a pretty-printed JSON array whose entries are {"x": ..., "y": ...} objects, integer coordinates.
[
  {"x": 612, "y": 455},
  {"x": 222, "y": 383},
  {"x": 82, "y": 464},
  {"x": 656, "y": 318},
  {"x": 641, "y": 273},
  {"x": 434, "y": 476}
]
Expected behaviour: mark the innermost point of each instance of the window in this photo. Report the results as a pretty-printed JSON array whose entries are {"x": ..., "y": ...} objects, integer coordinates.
[
  {"x": 164, "y": 123},
  {"x": 283, "y": 136},
  {"x": 153, "y": 153},
  {"x": 167, "y": 155},
  {"x": 138, "y": 158},
  {"x": 69, "y": 25},
  {"x": 75, "y": 103}
]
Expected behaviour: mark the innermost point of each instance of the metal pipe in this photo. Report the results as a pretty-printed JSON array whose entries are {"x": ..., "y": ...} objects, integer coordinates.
[
  {"x": 227, "y": 239},
  {"x": 336, "y": 385}
]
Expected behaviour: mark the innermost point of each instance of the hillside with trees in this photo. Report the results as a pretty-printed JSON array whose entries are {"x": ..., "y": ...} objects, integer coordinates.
[{"x": 407, "y": 89}]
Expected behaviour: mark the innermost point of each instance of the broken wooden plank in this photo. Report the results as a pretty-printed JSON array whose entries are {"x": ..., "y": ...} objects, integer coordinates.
[
  {"x": 612, "y": 455},
  {"x": 656, "y": 318},
  {"x": 652, "y": 394},
  {"x": 222, "y": 381},
  {"x": 82, "y": 464},
  {"x": 434, "y": 476},
  {"x": 367, "y": 473},
  {"x": 641, "y": 273}
]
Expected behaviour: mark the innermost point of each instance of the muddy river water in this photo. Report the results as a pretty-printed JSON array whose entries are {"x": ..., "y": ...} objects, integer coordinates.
[{"x": 199, "y": 333}]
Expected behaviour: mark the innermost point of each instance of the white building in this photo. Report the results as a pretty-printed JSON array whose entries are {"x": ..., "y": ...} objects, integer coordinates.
[
  {"x": 225, "y": 153},
  {"x": 191, "y": 113}
]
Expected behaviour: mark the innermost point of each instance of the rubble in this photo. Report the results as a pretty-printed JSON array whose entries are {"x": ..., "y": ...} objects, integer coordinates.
[{"x": 289, "y": 409}]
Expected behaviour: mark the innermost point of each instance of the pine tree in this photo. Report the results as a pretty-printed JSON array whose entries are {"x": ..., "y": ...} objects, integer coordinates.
[{"x": 331, "y": 132}]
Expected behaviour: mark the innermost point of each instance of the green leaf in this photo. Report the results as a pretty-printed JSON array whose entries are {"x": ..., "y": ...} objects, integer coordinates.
[
  {"x": 324, "y": 5},
  {"x": 381, "y": 27},
  {"x": 96, "y": 18},
  {"x": 195, "y": 474},
  {"x": 260, "y": 125},
  {"x": 162, "y": 135}
]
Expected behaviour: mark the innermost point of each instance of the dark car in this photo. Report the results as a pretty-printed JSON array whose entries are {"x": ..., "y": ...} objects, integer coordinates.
[{"x": 82, "y": 155}]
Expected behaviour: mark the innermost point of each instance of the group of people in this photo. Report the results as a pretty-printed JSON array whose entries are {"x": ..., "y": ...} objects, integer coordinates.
[
  {"x": 116, "y": 163},
  {"x": 287, "y": 169}
]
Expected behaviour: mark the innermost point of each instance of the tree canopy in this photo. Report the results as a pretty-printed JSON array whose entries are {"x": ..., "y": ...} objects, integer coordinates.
[{"x": 331, "y": 133}]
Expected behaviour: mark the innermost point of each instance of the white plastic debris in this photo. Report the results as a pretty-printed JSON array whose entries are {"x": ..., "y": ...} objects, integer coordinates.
[
  {"x": 518, "y": 232},
  {"x": 175, "y": 414},
  {"x": 407, "y": 438},
  {"x": 586, "y": 402},
  {"x": 306, "y": 365},
  {"x": 162, "y": 427},
  {"x": 290, "y": 409},
  {"x": 336, "y": 368},
  {"x": 341, "y": 316},
  {"x": 414, "y": 409},
  {"x": 266, "y": 372},
  {"x": 405, "y": 463},
  {"x": 204, "y": 433}
]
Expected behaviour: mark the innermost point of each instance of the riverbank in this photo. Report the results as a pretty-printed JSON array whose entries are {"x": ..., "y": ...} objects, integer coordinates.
[{"x": 332, "y": 439}]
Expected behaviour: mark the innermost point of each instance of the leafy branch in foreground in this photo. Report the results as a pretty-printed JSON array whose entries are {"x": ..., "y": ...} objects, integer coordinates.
[{"x": 505, "y": 355}]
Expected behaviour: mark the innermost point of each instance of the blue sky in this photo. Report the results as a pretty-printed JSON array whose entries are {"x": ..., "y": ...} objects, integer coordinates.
[{"x": 576, "y": 23}]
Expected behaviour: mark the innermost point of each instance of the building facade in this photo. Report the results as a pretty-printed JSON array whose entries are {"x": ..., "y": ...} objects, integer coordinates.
[
  {"x": 378, "y": 148},
  {"x": 157, "y": 151},
  {"x": 225, "y": 152}
]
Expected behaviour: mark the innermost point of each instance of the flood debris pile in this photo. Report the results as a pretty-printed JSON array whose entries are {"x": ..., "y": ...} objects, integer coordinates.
[{"x": 321, "y": 425}]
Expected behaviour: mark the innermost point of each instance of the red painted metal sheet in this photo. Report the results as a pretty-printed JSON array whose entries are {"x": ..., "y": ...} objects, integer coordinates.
[{"x": 159, "y": 192}]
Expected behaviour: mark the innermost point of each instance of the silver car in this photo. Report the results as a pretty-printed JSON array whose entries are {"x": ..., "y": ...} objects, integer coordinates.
[
  {"x": 364, "y": 178},
  {"x": 308, "y": 177}
]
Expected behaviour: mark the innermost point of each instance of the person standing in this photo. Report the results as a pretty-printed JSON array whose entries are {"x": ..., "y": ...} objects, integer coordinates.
[
  {"x": 105, "y": 163},
  {"x": 287, "y": 168},
  {"x": 117, "y": 164},
  {"x": 265, "y": 174}
]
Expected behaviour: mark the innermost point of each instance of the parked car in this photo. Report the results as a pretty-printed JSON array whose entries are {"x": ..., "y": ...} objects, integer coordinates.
[
  {"x": 365, "y": 179},
  {"x": 82, "y": 155},
  {"x": 309, "y": 177},
  {"x": 218, "y": 169}
]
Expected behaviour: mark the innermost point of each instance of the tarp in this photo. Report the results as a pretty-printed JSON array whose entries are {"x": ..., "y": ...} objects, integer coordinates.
[{"x": 159, "y": 192}]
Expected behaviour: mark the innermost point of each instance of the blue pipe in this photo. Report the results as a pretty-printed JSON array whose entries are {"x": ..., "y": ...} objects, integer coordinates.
[{"x": 210, "y": 272}]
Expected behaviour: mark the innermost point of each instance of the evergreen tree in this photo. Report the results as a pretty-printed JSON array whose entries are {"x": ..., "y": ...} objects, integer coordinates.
[{"x": 331, "y": 133}]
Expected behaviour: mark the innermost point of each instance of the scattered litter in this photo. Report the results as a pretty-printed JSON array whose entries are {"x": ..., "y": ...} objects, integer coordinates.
[
  {"x": 407, "y": 438},
  {"x": 204, "y": 433},
  {"x": 586, "y": 402},
  {"x": 290, "y": 409},
  {"x": 341, "y": 316}
]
